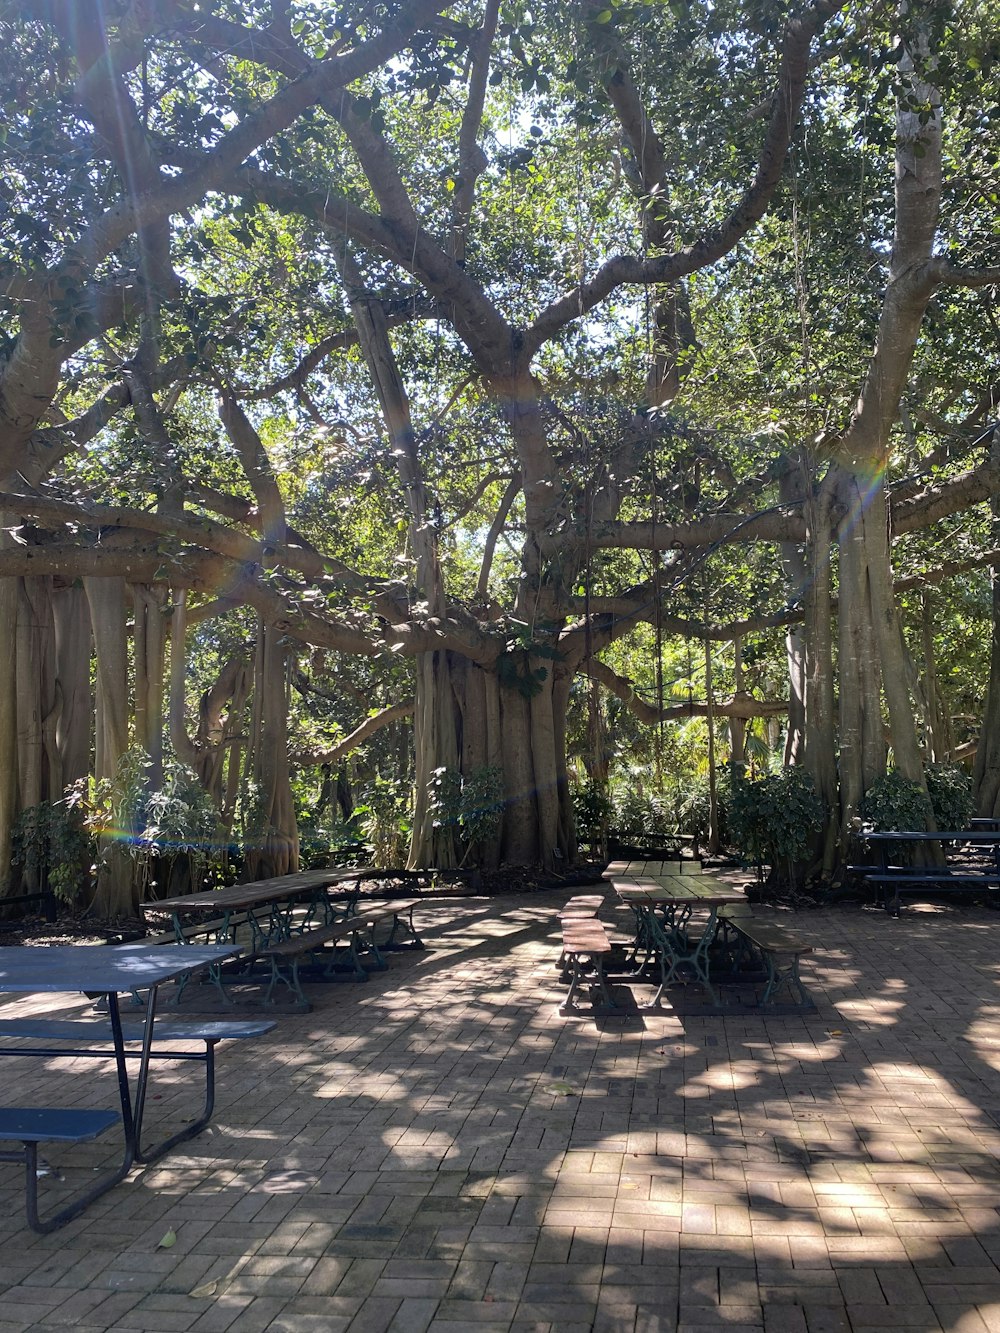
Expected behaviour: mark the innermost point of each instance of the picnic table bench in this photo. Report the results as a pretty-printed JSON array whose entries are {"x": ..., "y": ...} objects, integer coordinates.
[
  {"x": 76, "y": 1037},
  {"x": 892, "y": 880},
  {"x": 353, "y": 935},
  {"x": 585, "y": 945},
  {"x": 778, "y": 949},
  {"x": 314, "y": 916},
  {"x": 663, "y": 904}
]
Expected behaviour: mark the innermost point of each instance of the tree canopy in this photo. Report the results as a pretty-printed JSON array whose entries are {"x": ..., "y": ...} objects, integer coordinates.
[{"x": 480, "y": 364}]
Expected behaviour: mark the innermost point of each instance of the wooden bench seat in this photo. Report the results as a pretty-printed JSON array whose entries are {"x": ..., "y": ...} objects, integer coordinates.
[
  {"x": 399, "y": 911},
  {"x": 779, "y": 949},
  {"x": 337, "y": 939},
  {"x": 32, "y": 1125},
  {"x": 585, "y": 945},
  {"x": 583, "y": 905}
]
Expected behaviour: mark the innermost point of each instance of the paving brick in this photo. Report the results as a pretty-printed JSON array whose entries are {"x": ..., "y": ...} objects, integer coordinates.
[{"x": 403, "y": 1167}]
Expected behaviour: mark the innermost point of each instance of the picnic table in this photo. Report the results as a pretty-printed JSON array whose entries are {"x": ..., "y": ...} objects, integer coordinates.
[
  {"x": 663, "y": 897},
  {"x": 103, "y": 970},
  {"x": 892, "y": 879},
  {"x": 264, "y": 907},
  {"x": 291, "y": 920}
]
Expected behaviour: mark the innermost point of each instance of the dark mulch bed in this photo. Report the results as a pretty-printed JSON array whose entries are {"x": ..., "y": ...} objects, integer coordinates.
[{"x": 68, "y": 930}]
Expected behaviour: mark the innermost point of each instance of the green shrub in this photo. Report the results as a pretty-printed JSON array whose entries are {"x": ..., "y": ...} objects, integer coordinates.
[
  {"x": 950, "y": 789},
  {"x": 771, "y": 820},
  {"x": 170, "y": 829},
  {"x": 694, "y": 809},
  {"x": 694, "y": 814},
  {"x": 50, "y": 844},
  {"x": 315, "y": 843},
  {"x": 472, "y": 804},
  {"x": 893, "y": 803},
  {"x": 592, "y": 811},
  {"x": 642, "y": 817},
  {"x": 384, "y": 818}
]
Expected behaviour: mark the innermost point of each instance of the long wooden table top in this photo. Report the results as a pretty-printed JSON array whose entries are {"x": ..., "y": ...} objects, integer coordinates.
[
  {"x": 651, "y": 869},
  {"x": 678, "y": 893},
  {"x": 257, "y": 892},
  {"x": 669, "y": 883}
]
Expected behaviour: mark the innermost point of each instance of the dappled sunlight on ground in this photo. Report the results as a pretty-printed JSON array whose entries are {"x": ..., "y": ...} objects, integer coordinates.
[{"x": 439, "y": 1149}]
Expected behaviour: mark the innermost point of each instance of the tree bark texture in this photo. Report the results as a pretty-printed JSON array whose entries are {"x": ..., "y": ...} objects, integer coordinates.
[
  {"x": 274, "y": 849},
  {"x": 116, "y": 894}
]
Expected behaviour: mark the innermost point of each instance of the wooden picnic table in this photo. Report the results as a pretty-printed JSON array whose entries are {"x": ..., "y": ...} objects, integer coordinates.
[
  {"x": 652, "y": 869},
  {"x": 256, "y": 914},
  {"x": 239, "y": 897},
  {"x": 663, "y": 905},
  {"x": 284, "y": 921}
]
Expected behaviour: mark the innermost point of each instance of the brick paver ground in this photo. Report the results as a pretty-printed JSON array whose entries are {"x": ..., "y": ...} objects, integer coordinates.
[{"x": 439, "y": 1149}]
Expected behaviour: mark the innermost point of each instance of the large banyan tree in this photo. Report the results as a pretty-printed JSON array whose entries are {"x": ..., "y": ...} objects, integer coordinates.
[{"x": 469, "y": 335}]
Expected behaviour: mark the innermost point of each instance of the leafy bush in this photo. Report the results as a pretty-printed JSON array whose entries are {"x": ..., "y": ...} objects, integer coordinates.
[
  {"x": 694, "y": 815},
  {"x": 592, "y": 809},
  {"x": 51, "y": 845},
  {"x": 384, "y": 818},
  {"x": 771, "y": 820},
  {"x": 315, "y": 843},
  {"x": 164, "y": 827},
  {"x": 694, "y": 812},
  {"x": 950, "y": 789},
  {"x": 471, "y": 803},
  {"x": 642, "y": 817},
  {"x": 893, "y": 803}
]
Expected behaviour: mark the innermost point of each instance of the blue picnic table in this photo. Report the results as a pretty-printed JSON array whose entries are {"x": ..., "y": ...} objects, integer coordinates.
[{"x": 103, "y": 971}]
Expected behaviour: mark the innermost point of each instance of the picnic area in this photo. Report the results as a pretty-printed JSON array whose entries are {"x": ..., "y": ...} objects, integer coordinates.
[
  {"x": 439, "y": 1148},
  {"x": 499, "y": 666}
]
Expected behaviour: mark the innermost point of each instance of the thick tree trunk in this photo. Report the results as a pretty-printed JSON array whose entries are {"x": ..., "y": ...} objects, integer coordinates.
[
  {"x": 436, "y": 748},
  {"x": 481, "y": 747},
  {"x": 74, "y": 727},
  {"x": 566, "y": 842},
  {"x": 149, "y": 656},
  {"x": 793, "y": 489},
  {"x": 986, "y": 772},
  {"x": 8, "y": 719},
  {"x": 819, "y": 735},
  {"x": 738, "y": 725},
  {"x": 116, "y": 892},
  {"x": 888, "y": 635},
  {"x": 521, "y": 844},
  {"x": 938, "y": 730},
  {"x": 545, "y": 767},
  {"x": 714, "y": 838},
  {"x": 39, "y": 778},
  {"x": 275, "y": 845}
]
